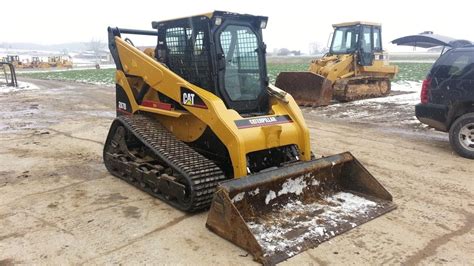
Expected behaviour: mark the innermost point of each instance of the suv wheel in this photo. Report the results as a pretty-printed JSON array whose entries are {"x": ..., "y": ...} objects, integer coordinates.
[{"x": 461, "y": 135}]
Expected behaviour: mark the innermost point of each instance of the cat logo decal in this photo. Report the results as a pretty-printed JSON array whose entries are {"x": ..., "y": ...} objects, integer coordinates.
[{"x": 189, "y": 98}]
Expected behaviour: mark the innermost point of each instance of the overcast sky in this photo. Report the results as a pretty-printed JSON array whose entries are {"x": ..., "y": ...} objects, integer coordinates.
[{"x": 292, "y": 24}]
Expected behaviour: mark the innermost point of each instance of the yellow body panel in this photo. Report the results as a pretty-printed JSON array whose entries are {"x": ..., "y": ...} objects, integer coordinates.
[
  {"x": 239, "y": 142},
  {"x": 334, "y": 67},
  {"x": 379, "y": 68}
]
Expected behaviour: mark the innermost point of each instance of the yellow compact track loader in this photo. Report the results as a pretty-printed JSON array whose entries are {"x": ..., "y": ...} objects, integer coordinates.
[
  {"x": 355, "y": 67},
  {"x": 198, "y": 125}
]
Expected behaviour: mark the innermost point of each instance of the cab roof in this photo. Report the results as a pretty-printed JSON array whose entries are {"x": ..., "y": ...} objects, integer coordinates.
[
  {"x": 209, "y": 15},
  {"x": 345, "y": 24}
]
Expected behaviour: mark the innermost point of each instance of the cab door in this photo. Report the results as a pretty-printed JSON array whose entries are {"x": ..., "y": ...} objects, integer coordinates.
[
  {"x": 241, "y": 66},
  {"x": 366, "y": 47}
]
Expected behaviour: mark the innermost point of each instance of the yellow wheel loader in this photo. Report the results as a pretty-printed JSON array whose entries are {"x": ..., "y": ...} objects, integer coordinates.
[
  {"x": 356, "y": 67},
  {"x": 199, "y": 126},
  {"x": 61, "y": 61},
  {"x": 37, "y": 62},
  {"x": 15, "y": 61}
]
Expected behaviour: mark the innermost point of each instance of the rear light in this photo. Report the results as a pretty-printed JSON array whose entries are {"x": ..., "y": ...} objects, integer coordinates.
[{"x": 425, "y": 87}]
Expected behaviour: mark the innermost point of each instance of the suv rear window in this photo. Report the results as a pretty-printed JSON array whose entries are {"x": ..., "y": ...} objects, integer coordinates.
[{"x": 454, "y": 65}]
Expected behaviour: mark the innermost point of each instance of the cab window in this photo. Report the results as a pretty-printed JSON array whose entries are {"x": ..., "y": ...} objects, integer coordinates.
[{"x": 377, "y": 39}]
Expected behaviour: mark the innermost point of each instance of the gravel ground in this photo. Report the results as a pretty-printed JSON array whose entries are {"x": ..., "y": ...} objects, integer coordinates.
[{"x": 58, "y": 204}]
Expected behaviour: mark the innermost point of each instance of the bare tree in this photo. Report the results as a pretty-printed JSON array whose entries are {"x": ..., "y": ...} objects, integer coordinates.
[
  {"x": 96, "y": 46},
  {"x": 295, "y": 52},
  {"x": 283, "y": 52},
  {"x": 314, "y": 48}
]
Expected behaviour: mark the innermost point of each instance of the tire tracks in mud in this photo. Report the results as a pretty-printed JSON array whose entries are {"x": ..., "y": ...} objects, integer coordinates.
[
  {"x": 349, "y": 135},
  {"x": 47, "y": 223},
  {"x": 169, "y": 224},
  {"x": 316, "y": 259},
  {"x": 66, "y": 134},
  {"x": 398, "y": 150},
  {"x": 43, "y": 222},
  {"x": 53, "y": 190},
  {"x": 431, "y": 248},
  {"x": 69, "y": 135}
]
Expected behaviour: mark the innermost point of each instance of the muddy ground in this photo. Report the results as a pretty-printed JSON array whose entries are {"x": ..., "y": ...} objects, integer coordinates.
[{"x": 58, "y": 204}]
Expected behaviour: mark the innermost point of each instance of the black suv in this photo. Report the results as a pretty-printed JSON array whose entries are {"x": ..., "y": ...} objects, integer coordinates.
[{"x": 447, "y": 98}]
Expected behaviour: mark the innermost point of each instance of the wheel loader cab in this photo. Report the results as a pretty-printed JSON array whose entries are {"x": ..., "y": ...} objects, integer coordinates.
[
  {"x": 221, "y": 52},
  {"x": 361, "y": 38},
  {"x": 13, "y": 58}
]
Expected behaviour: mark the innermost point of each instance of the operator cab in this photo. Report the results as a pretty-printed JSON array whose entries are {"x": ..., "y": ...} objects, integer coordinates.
[
  {"x": 361, "y": 38},
  {"x": 13, "y": 58},
  {"x": 221, "y": 52}
]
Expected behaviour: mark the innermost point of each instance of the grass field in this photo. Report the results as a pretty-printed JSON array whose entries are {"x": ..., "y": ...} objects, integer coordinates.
[
  {"x": 408, "y": 72},
  {"x": 95, "y": 76}
]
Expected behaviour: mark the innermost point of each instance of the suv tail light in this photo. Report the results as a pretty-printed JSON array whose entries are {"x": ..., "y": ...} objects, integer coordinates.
[{"x": 425, "y": 87}]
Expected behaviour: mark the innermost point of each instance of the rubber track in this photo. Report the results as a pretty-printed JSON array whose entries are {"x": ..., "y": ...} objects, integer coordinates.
[{"x": 202, "y": 175}]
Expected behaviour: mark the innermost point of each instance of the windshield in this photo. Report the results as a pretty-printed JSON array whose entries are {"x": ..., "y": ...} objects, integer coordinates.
[
  {"x": 345, "y": 40},
  {"x": 242, "y": 72}
]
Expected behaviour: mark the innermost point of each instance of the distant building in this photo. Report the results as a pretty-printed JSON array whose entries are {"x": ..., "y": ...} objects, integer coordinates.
[{"x": 102, "y": 56}]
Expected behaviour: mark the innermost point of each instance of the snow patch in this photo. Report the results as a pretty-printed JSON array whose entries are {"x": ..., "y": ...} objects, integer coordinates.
[
  {"x": 238, "y": 197},
  {"x": 295, "y": 186},
  {"x": 271, "y": 195},
  {"x": 295, "y": 222},
  {"x": 349, "y": 202},
  {"x": 315, "y": 182},
  {"x": 21, "y": 87},
  {"x": 412, "y": 96},
  {"x": 396, "y": 108},
  {"x": 255, "y": 192}
]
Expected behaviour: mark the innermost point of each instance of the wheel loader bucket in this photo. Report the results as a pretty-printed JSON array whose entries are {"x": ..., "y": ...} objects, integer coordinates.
[
  {"x": 277, "y": 214},
  {"x": 307, "y": 88}
]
